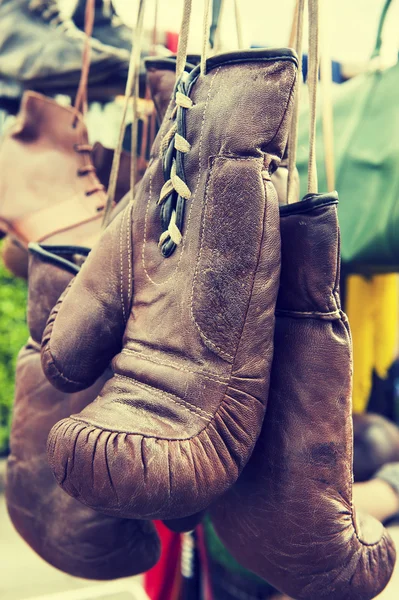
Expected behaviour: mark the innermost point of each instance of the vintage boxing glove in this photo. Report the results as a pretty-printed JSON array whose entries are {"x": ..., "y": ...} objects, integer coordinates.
[
  {"x": 290, "y": 517},
  {"x": 68, "y": 535},
  {"x": 183, "y": 296}
]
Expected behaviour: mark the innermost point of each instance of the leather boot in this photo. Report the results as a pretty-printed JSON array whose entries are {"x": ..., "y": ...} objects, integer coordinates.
[
  {"x": 42, "y": 49},
  {"x": 290, "y": 517},
  {"x": 108, "y": 27},
  {"x": 49, "y": 191},
  {"x": 14, "y": 250},
  {"x": 202, "y": 246},
  {"x": 61, "y": 530}
]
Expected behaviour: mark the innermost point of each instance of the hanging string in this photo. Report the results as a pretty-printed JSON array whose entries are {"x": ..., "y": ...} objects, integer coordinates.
[
  {"x": 155, "y": 29},
  {"x": 292, "y": 42},
  {"x": 205, "y": 36},
  {"x": 312, "y": 81},
  {"x": 313, "y": 74},
  {"x": 181, "y": 58},
  {"x": 131, "y": 88},
  {"x": 82, "y": 94},
  {"x": 327, "y": 106},
  {"x": 293, "y": 137},
  {"x": 135, "y": 130}
]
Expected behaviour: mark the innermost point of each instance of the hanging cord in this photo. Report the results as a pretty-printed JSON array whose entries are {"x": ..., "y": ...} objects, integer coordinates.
[
  {"x": 205, "y": 38},
  {"x": 312, "y": 81},
  {"x": 81, "y": 101},
  {"x": 313, "y": 73},
  {"x": 181, "y": 58},
  {"x": 155, "y": 29},
  {"x": 218, "y": 41},
  {"x": 378, "y": 42},
  {"x": 327, "y": 106},
  {"x": 131, "y": 90},
  {"x": 292, "y": 41},
  {"x": 297, "y": 39}
]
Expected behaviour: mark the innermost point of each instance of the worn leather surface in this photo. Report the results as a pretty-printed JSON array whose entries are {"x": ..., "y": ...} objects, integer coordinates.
[
  {"x": 42, "y": 196},
  {"x": 186, "y": 402},
  {"x": 60, "y": 529},
  {"x": 376, "y": 443},
  {"x": 39, "y": 52},
  {"x": 290, "y": 517}
]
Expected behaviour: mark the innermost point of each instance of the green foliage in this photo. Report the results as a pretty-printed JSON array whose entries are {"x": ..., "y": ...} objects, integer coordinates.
[{"x": 13, "y": 335}]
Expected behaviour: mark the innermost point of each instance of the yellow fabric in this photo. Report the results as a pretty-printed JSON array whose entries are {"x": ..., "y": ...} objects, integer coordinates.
[
  {"x": 372, "y": 308},
  {"x": 385, "y": 288}
]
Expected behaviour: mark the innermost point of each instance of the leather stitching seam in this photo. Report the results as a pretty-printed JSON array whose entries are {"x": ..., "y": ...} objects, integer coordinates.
[
  {"x": 215, "y": 346},
  {"x": 210, "y": 422},
  {"x": 205, "y": 374},
  {"x": 59, "y": 373},
  {"x": 167, "y": 396},
  {"x": 121, "y": 267},
  {"x": 129, "y": 254}
]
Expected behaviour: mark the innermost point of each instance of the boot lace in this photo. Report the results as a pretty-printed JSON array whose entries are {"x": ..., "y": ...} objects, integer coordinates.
[
  {"x": 87, "y": 169},
  {"x": 175, "y": 191}
]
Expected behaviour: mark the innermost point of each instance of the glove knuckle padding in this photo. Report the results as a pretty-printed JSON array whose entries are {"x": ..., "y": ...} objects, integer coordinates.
[
  {"x": 174, "y": 427},
  {"x": 65, "y": 533},
  {"x": 290, "y": 517},
  {"x": 85, "y": 327}
]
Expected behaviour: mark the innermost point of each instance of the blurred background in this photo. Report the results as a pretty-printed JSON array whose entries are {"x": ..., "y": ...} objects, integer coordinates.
[{"x": 350, "y": 30}]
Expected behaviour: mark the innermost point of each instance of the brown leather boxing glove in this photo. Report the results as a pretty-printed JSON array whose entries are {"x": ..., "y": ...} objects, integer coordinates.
[
  {"x": 60, "y": 529},
  {"x": 290, "y": 517},
  {"x": 186, "y": 281}
]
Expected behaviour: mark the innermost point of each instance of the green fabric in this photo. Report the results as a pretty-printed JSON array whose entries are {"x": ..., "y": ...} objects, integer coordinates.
[
  {"x": 366, "y": 139},
  {"x": 219, "y": 553},
  {"x": 366, "y": 147}
]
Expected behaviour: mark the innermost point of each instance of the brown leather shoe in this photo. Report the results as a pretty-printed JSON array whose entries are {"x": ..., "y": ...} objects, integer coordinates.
[
  {"x": 60, "y": 529},
  {"x": 161, "y": 80},
  {"x": 49, "y": 191},
  {"x": 187, "y": 399},
  {"x": 290, "y": 517}
]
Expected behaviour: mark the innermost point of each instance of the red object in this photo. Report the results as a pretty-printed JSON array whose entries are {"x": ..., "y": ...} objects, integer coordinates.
[
  {"x": 162, "y": 582},
  {"x": 172, "y": 41}
]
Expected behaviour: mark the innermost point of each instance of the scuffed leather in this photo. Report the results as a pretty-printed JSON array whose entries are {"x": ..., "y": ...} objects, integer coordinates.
[
  {"x": 42, "y": 196},
  {"x": 290, "y": 517},
  {"x": 187, "y": 399},
  {"x": 60, "y": 529}
]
